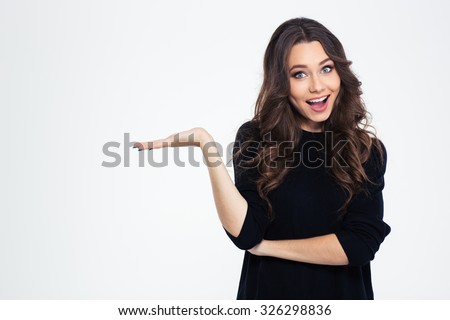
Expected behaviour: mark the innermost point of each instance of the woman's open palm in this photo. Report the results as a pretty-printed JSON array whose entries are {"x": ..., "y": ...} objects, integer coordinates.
[{"x": 193, "y": 137}]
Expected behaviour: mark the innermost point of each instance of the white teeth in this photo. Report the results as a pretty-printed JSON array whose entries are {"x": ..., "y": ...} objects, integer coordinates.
[{"x": 318, "y": 100}]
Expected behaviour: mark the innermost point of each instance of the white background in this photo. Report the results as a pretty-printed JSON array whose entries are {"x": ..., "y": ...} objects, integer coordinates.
[{"x": 75, "y": 75}]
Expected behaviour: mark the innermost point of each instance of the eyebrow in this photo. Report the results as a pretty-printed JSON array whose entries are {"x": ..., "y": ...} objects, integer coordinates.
[{"x": 305, "y": 66}]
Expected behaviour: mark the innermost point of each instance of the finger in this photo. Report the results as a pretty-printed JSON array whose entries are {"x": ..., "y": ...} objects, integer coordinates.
[
  {"x": 155, "y": 144},
  {"x": 143, "y": 145}
]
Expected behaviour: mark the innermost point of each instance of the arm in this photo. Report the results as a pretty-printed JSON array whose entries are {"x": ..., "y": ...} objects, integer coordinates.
[
  {"x": 318, "y": 250},
  {"x": 249, "y": 227},
  {"x": 237, "y": 209},
  {"x": 230, "y": 204}
]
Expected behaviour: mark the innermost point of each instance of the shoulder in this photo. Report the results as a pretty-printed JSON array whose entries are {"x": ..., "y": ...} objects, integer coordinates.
[
  {"x": 247, "y": 142},
  {"x": 247, "y": 131}
]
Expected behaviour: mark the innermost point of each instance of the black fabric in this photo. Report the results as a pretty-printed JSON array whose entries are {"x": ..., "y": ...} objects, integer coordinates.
[{"x": 306, "y": 205}]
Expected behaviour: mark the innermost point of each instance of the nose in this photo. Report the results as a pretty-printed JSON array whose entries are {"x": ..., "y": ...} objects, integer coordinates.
[{"x": 316, "y": 84}]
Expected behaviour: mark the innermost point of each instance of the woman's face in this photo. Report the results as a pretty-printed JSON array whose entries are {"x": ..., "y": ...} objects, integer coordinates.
[{"x": 312, "y": 76}]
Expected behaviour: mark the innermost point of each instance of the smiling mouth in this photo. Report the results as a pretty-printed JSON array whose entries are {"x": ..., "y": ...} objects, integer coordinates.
[{"x": 318, "y": 102}]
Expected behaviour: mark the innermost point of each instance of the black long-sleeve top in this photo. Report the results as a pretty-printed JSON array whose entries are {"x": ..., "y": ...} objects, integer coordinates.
[{"x": 306, "y": 205}]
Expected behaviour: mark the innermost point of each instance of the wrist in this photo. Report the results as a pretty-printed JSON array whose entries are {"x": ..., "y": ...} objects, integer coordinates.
[
  {"x": 265, "y": 247},
  {"x": 206, "y": 143},
  {"x": 262, "y": 248},
  {"x": 205, "y": 138}
]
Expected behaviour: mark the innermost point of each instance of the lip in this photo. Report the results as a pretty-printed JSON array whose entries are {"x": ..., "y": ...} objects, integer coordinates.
[{"x": 325, "y": 106}]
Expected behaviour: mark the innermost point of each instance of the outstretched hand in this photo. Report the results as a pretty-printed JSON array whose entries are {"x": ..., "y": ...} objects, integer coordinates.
[{"x": 193, "y": 137}]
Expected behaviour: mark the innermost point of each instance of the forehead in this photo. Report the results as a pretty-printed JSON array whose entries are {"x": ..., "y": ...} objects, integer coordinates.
[{"x": 307, "y": 53}]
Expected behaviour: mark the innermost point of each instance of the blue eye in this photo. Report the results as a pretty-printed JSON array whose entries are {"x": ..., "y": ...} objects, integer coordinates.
[
  {"x": 298, "y": 73},
  {"x": 329, "y": 67}
]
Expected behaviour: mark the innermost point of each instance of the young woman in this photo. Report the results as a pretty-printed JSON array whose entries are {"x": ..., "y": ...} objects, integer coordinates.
[{"x": 306, "y": 203}]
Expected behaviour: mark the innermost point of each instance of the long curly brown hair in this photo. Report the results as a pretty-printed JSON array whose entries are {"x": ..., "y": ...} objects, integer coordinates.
[{"x": 275, "y": 115}]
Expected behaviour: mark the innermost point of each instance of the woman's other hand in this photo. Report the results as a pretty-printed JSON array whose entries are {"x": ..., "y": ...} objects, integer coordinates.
[
  {"x": 194, "y": 137},
  {"x": 258, "y": 249}
]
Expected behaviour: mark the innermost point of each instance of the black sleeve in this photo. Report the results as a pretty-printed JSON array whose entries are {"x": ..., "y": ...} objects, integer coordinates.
[
  {"x": 363, "y": 229},
  {"x": 256, "y": 220}
]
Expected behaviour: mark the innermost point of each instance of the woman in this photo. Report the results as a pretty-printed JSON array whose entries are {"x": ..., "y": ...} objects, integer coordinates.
[{"x": 307, "y": 202}]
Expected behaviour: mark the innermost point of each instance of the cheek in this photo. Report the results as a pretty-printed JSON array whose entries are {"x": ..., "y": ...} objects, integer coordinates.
[
  {"x": 297, "y": 91},
  {"x": 335, "y": 84}
]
